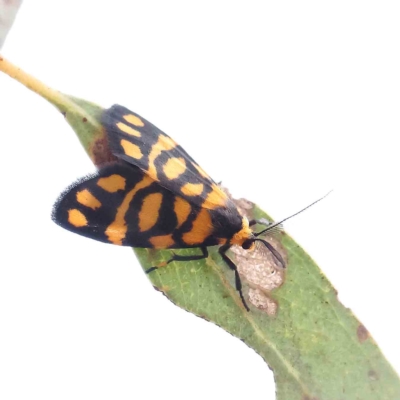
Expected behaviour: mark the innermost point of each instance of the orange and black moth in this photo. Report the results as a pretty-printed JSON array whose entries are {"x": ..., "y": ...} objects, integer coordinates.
[{"x": 154, "y": 196}]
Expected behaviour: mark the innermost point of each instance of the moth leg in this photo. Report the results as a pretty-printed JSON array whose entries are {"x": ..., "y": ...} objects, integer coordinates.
[
  {"x": 177, "y": 257},
  {"x": 222, "y": 250}
]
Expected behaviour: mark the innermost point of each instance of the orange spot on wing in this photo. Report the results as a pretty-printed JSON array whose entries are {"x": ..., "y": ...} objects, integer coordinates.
[
  {"x": 76, "y": 218},
  {"x": 86, "y": 198},
  {"x": 112, "y": 183},
  {"x": 164, "y": 143},
  {"x": 127, "y": 129},
  {"x": 161, "y": 242},
  {"x": 133, "y": 119},
  {"x": 149, "y": 213},
  {"x": 116, "y": 231},
  {"x": 174, "y": 167},
  {"x": 182, "y": 210},
  {"x": 192, "y": 189},
  {"x": 216, "y": 198},
  {"x": 201, "y": 229},
  {"x": 201, "y": 171},
  {"x": 131, "y": 149}
]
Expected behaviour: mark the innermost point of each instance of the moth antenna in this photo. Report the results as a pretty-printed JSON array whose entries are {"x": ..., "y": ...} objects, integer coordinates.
[
  {"x": 273, "y": 251},
  {"x": 291, "y": 216}
]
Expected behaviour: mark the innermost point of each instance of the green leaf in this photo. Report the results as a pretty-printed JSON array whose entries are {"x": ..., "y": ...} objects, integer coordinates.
[{"x": 315, "y": 346}]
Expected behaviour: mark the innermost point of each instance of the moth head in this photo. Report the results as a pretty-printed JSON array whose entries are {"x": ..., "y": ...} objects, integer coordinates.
[{"x": 250, "y": 243}]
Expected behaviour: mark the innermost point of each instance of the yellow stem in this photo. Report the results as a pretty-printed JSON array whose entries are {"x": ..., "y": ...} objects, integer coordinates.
[
  {"x": 53, "y": 96},
  {"x": 85, "y": 123}
]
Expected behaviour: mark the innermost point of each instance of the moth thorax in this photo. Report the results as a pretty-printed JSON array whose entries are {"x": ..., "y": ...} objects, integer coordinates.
[{"x": 244, "y": 234}]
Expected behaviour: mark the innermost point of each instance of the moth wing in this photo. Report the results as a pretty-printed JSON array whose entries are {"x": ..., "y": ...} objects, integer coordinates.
[
  {"x": 138, "y": 142},
  {"x": 120, "y": 205}
]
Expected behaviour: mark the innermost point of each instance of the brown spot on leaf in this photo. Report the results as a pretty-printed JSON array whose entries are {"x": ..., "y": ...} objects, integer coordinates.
[
  {"x": 245, "y": 207},
  {"x": 84, "y": 119},
  {"x": 373, "y": 375},
  {"x": 263, "y": 302},
  {"x": 101, "y": 152},
  {"x": 362, "y": 333},
  {"x": 259, "y": 267},
  {"x": 260, "y": 270}
]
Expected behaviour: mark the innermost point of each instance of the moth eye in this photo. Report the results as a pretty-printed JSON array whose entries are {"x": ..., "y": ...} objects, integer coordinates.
[{"x": 248, "y": 244}]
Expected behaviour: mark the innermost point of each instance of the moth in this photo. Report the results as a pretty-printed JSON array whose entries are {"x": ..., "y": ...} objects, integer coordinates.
[{"x": 155, "y": 196}]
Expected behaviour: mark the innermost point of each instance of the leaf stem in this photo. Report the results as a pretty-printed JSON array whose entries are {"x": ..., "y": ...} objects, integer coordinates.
[
  {"x": 53, "y": 96},
  {"x": 80, "y": 114}
]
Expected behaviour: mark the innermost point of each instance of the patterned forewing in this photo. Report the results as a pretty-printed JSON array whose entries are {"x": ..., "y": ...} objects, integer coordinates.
[{"x": 140, "y": 143}]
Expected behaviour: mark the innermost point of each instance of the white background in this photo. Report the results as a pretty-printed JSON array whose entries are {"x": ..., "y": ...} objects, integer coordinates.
[{"x": 282, "y": 101}]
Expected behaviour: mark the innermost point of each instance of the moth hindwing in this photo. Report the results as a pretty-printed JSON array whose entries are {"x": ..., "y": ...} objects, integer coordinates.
[{"x": 123, "y": 205}]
